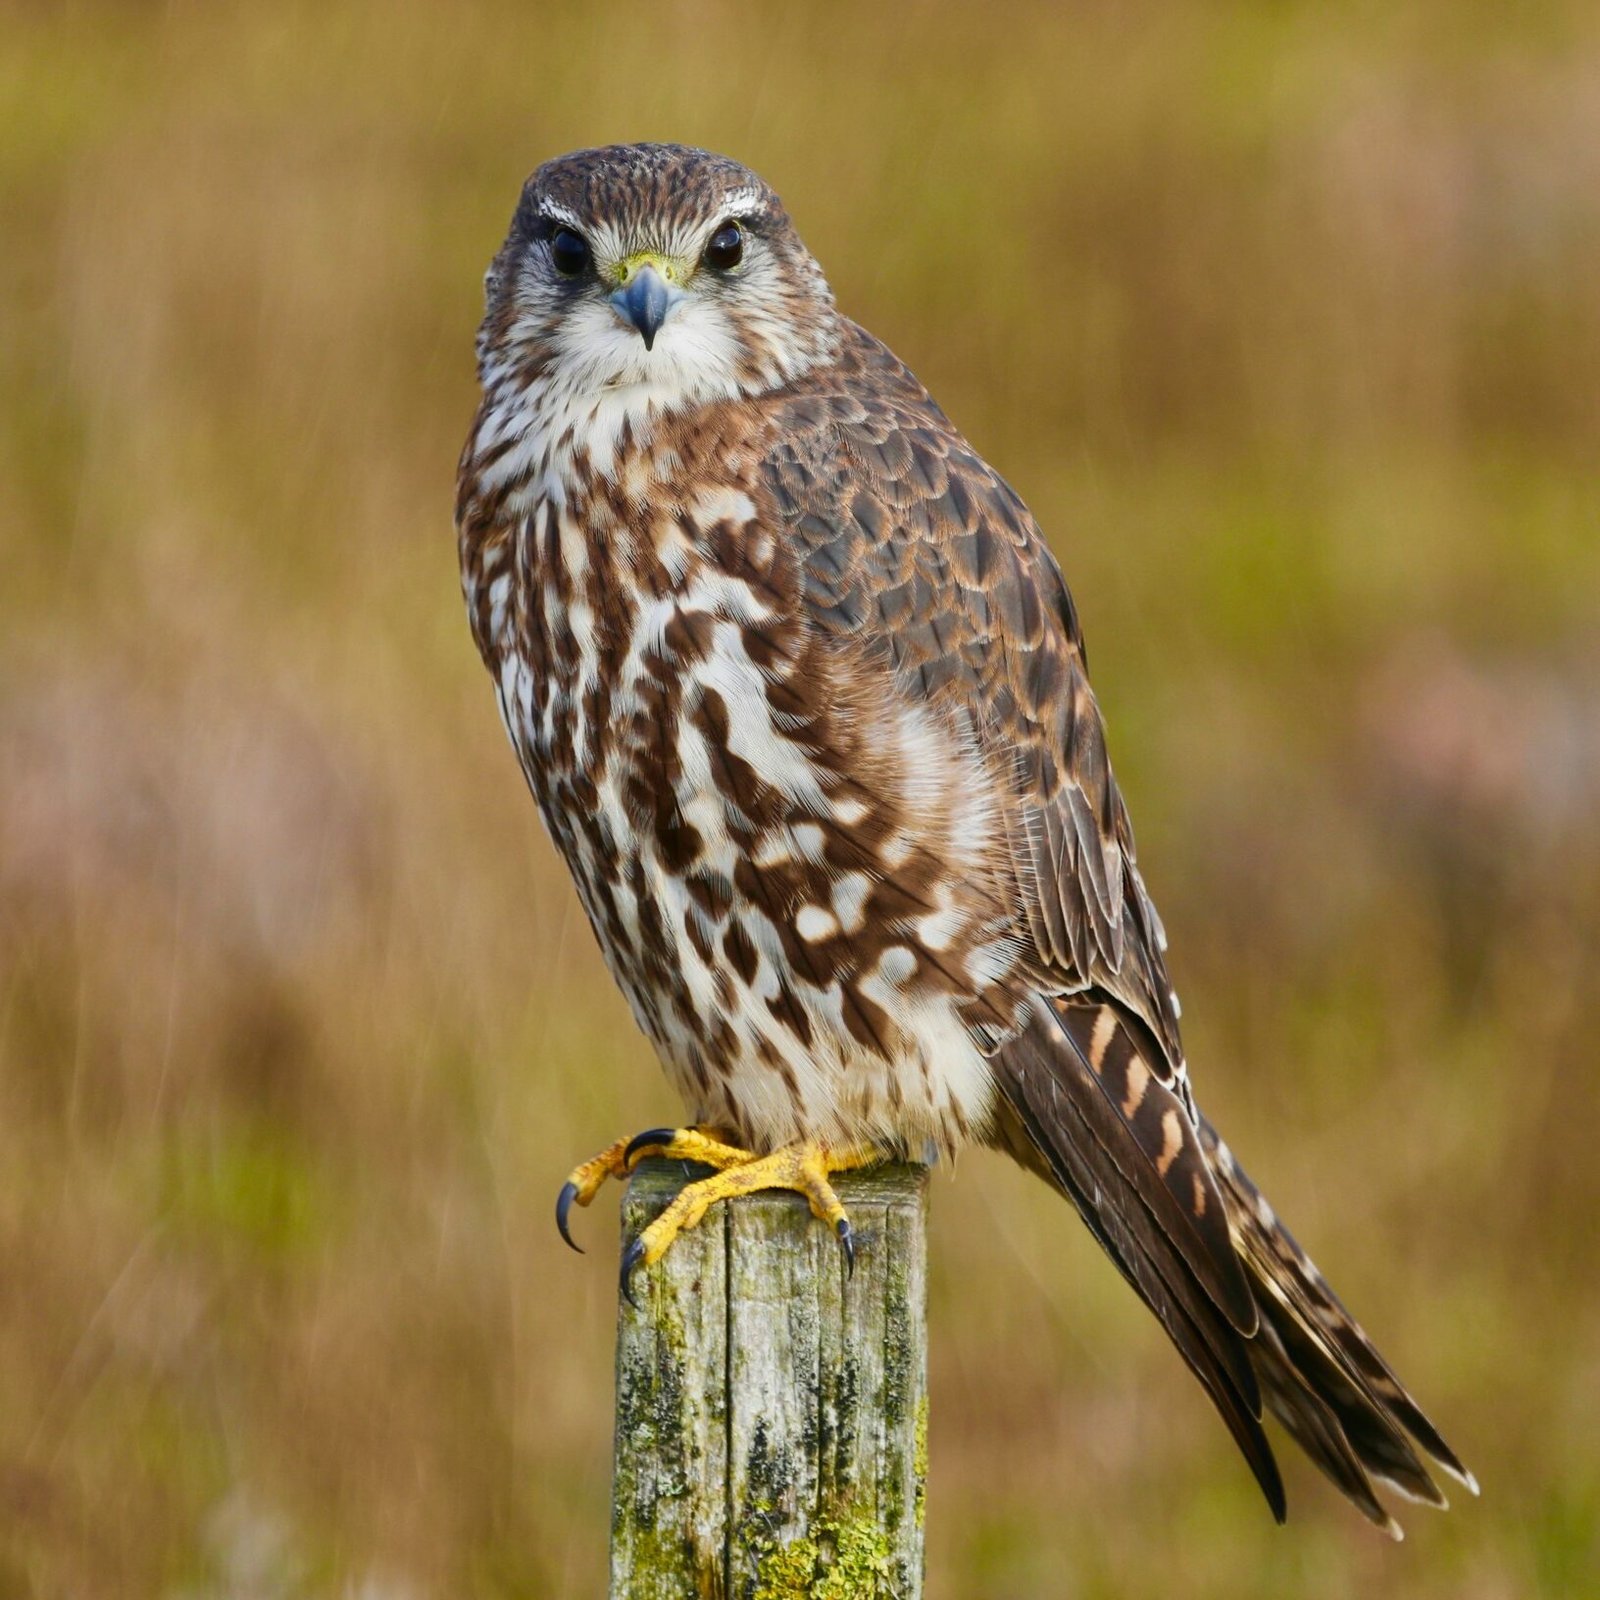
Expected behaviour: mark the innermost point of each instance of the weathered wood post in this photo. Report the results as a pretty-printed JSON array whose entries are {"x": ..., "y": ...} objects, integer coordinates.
[{"x": 772, "y": 1412}]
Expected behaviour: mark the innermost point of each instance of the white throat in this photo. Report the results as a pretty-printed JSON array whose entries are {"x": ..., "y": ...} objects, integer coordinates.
[{"x": 600, "y": 384}]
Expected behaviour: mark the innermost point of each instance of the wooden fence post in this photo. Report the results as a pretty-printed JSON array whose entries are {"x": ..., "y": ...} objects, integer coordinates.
[{"x": 772, "y": 1412}]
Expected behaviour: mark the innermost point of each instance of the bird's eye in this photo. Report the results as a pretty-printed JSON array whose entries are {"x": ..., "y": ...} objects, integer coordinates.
[
  {"x": 726, "y": 248},
  {"x": 569, "y": 252}
]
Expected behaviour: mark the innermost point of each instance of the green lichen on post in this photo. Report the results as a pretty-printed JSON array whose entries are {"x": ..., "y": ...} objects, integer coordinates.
[
  {"x": 771, "y": 1407},
  {"x": 902, "y": 1393},
  {"x": 668, "y": 1515},
  {"x": 851, "y": 1560},
  {"x": 902, "y": 1347},
  {"x": 919, "y": 1461},
  {"x": 785, "y": 1571},
  {"x": 661, "y": 1565}
]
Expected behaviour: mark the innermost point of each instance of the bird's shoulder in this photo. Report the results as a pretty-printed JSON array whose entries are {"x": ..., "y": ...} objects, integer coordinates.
[{"x": 861, "y": 461}]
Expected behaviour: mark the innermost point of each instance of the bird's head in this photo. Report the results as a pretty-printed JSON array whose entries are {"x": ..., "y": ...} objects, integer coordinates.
[{"x": 657, "y": 269}]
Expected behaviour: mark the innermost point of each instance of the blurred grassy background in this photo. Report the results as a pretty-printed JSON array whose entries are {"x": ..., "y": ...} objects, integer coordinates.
[{"x": 1284, "y": 318}]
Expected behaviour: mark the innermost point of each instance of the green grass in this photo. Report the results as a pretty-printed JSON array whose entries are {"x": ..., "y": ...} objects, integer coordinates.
[{"x": 1282, "y": 319}]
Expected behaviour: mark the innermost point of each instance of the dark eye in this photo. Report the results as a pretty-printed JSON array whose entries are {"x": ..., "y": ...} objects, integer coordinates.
[
  {"x": 569, "y": 252},
  {"x": 726, "y": 249}
]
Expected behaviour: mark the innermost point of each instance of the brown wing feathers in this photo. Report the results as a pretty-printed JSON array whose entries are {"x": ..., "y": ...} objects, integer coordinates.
[
  {"x": 912, "y": 545},
  {"x": 1323, "y": 1377},
  {"x": 1145, "y": 1124},
  {"x": 1055, "y": 1119},
  {"x": 1296, "y": 1347}
]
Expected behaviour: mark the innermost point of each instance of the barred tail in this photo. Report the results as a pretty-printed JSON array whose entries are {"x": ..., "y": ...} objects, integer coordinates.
[
  {"x": 1319, "y": 1373},
  {"x": 1081, "y": 1106}
]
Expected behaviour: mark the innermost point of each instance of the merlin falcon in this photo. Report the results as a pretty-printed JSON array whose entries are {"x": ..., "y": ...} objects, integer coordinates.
[{"x": 801, "y": 695}]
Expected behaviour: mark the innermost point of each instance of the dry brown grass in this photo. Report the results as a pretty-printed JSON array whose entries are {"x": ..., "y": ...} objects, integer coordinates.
[{"x": 1284, "y": 319}]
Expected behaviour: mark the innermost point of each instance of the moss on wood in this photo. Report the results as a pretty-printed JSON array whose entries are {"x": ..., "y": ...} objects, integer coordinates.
[{"x": 771, "y": 1409}]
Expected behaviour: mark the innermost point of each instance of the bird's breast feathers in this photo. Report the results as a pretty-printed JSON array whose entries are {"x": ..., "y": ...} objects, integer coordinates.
[{"x": 795, "y": 869}]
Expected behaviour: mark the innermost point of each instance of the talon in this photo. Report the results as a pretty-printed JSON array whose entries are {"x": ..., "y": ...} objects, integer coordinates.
[
  {"x": 569, "y": 1193},
  {"x": 583, "y": 1184},
  {"x": 651, "y": 1138},
  {"x": 631, "y": 1257},
  {"x": 705, "y": 1145},
  {"x": 801, "y": 1167}
]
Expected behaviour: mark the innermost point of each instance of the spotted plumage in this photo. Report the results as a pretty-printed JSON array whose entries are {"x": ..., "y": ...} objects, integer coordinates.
[{"x": 801, "y": 695}]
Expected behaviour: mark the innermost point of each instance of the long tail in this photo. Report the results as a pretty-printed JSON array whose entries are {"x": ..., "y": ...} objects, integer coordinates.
[
  {"x": 1244, "y": 1305},
  {"x": 1322, "y": 1377}
]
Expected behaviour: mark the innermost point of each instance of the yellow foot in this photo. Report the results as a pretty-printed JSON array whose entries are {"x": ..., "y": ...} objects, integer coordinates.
[
  {"x": 804, "y": 1168},
  {"x": 619, "y": 1159}
]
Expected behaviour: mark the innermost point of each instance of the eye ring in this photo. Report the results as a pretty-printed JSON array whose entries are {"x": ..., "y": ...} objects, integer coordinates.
[
  {"x": 725, "y": 249},
  {"x": 569, "y": 250}
]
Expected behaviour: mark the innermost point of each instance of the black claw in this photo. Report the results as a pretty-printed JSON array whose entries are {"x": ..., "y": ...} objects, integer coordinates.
[
  {"x": 631, "y": 1257},
  {"x": 569, "y": 1193},
  {"x": 641, "y": 1141},
  {"x": 847, "y": 1241}
]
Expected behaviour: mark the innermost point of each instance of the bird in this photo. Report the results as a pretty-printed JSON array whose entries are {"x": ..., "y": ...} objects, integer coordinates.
[{"x": 801, "y": 694}]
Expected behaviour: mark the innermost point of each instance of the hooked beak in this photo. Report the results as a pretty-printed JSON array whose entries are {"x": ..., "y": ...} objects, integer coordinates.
[{"x": 643, "y": 303}]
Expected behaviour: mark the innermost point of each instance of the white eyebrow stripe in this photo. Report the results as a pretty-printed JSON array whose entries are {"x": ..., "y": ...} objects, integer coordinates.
[
  {"x": 745, "y": 199},
  {"x": 558, "y": 212}
]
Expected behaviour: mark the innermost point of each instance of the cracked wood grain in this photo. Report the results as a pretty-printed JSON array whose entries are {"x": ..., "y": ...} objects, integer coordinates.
[{"x": 771, "y": 1410}]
